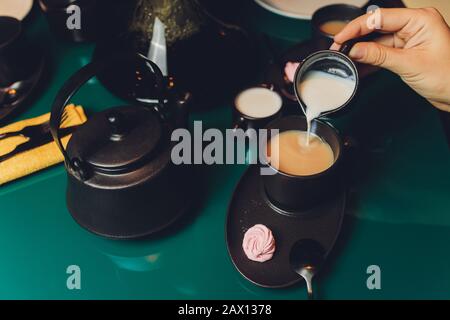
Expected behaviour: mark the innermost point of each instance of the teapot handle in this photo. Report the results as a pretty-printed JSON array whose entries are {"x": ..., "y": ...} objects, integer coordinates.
[{"x": 75, "y": 82}]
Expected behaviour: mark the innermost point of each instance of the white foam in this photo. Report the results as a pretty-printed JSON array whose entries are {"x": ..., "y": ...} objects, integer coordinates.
[{"x": 258, "y": 102}]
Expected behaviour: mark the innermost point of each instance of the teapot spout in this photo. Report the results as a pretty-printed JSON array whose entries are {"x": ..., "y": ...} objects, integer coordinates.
[{"x": 158, "y": 49}]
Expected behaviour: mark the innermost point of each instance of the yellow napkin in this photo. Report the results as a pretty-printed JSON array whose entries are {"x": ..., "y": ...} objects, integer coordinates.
[{"x": 39, "y": 158}]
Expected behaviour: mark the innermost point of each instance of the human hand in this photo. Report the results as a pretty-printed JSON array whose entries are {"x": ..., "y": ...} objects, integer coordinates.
[{"x": 416, "y": 46}]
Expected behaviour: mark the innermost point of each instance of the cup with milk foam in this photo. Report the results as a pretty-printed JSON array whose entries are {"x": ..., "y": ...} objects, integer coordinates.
[{"x": 256, "y": 106}]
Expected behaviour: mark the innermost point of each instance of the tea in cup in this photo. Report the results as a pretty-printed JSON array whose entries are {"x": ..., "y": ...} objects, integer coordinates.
[
  {"x": 303, "y": 175},
  {"x": 299, "y": 154},
  {"x": 330, "y": 20}
]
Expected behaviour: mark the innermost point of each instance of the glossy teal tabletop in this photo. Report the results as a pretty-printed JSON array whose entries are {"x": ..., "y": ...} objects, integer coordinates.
[{"x": 398, "y": 215}]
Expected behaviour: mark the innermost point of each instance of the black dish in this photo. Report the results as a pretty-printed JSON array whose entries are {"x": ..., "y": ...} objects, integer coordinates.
[
  {"x": 249, "y": 206},
  {"x": 24, "y": 95},
  {"x": 11, "y": 42},
  {"x": 20, "y": 71}
]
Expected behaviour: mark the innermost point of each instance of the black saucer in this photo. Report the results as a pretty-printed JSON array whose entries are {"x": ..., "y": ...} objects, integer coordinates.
[
  {"x": 249, "y": 206},
  {"x": 8, "y": 109},
  {"x": 274, "y": 73}
]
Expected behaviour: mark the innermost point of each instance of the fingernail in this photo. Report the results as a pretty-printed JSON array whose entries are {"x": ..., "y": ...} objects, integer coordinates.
[
  {"x": 356, "y": 53},
  {"x": 335, "y": 46}
]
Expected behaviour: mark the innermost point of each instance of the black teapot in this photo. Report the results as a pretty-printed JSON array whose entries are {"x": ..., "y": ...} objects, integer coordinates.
[{"x": 121, "y": 180}]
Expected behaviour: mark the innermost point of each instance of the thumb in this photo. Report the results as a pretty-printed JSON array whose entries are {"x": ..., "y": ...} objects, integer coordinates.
[{"x": 379, "y": 55}]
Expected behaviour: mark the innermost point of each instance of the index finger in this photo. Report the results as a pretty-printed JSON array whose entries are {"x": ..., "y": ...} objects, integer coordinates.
[{"x": 387, "y": 20}]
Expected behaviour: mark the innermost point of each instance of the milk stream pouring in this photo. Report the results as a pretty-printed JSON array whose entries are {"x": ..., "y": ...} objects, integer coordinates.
[{"x": 322, "y": 92}]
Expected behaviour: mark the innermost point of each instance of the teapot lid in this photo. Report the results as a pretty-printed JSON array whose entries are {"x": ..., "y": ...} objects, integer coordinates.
[{"x": 117, "y": 140}]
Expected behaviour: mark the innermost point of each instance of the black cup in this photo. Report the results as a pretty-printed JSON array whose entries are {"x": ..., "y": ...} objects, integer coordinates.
[
  {"x": 293, "y": 195},
  {"x": 336, "y": 12},
  {"x": 244, "y": 121},
  {"x": 57, "y": 16},
  {"x": 12, "y": 52}
]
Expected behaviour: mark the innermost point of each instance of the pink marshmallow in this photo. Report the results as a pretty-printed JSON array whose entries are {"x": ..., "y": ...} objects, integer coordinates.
[
  {"x": 289, "y": 70},
  {"x": 259, "y": 243}
]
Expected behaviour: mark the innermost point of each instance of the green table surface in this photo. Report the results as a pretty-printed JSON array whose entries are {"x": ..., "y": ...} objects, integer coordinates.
[{"x": 398, "y": 215}]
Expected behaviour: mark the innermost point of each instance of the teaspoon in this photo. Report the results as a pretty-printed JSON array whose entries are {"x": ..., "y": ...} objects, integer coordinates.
[{"x": 306, "y": 257}]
